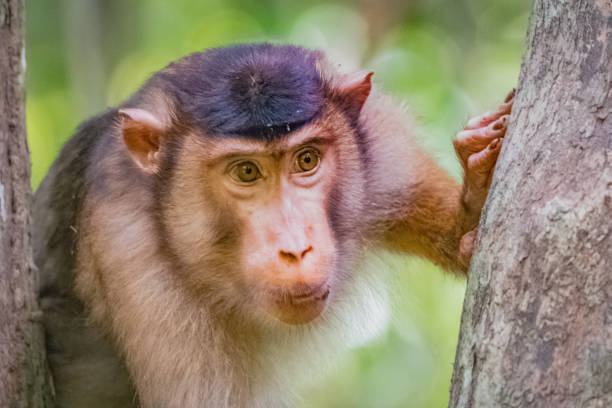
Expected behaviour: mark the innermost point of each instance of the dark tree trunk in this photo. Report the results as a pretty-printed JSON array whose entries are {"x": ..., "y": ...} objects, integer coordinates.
[
  {"x": 536, "y": 329},
  {"x": 24, "y": 380}
]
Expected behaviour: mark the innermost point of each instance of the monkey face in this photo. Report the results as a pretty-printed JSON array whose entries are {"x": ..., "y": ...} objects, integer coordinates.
[{"x": 254, "y": 219}]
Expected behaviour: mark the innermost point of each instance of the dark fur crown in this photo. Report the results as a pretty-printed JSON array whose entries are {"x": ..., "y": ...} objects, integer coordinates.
[{"x": 250, "y": 90}]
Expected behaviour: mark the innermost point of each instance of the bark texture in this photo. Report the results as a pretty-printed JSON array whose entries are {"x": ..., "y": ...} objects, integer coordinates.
[
  {"x": 24, "y": 381},
  {"x": 536, "y": 329}
]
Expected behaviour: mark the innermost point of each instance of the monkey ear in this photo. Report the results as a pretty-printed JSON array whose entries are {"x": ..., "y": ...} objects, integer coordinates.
[
  {"x": 355, "y": 89},
  {"x": 142, "y": 133}
]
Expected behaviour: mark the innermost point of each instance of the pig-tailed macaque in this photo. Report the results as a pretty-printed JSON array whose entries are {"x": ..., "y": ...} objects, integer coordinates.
[{"x": 202, "y": 244}]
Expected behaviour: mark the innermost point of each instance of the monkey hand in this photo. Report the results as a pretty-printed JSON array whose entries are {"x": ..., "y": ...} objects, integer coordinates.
[{"x": 477, "y": 147}]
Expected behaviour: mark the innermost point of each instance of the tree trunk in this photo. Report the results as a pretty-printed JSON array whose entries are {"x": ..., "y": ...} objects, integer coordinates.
[
  {"x": 24, "y": 380},
  {"x": 536, "y": 329}
]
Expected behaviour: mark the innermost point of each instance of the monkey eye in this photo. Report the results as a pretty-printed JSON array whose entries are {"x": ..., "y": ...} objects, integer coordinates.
[
  {"x": 306, "y": 161},
  {"x": 245, "y": 172}
]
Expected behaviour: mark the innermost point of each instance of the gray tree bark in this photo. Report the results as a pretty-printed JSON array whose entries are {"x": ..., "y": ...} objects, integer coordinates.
[
  {"x": 24, "y": 380},
  {"x": 536, "y": 329}
]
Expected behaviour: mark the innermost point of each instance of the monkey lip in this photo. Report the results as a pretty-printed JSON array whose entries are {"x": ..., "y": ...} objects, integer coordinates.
[
  {"x": 300, "y": 307},
  {"x": 315, "y": 294}
]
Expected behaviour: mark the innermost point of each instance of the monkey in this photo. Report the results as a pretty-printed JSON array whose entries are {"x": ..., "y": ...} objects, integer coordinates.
[{"x": 202, "y": 244}]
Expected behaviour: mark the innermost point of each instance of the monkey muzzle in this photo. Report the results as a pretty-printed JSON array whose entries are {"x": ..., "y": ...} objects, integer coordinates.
[{"x": 301, "y": 304}]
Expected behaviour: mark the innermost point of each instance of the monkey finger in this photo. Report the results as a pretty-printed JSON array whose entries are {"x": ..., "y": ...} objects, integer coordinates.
[
  {"x": 472, "y": 141},
  {"x": 484, "y": 135},
  {"x": 490, "y": 178},
  {"x": 478, "y": 176},
  {"x": 479, "y": 166},
  {"x": 466, "y": 245},
  {"x": 489, "y": 117},
  {"x": 483, "y": 161}
]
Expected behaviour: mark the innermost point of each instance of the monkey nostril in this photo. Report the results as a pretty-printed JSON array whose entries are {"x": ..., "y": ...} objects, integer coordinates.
[
  {"x": 304, "y": 252},
  {"x": 291, "y": 256},
  {"x": 288, "y": 256}
]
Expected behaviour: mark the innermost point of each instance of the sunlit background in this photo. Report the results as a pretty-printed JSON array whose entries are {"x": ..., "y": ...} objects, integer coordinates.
[{"x": 449, "y": 59}]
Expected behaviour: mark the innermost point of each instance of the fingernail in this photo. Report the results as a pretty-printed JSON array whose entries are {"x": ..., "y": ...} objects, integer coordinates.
[
  {"x": 500, "y": 123},
  {"x": 493, "y": 144}
]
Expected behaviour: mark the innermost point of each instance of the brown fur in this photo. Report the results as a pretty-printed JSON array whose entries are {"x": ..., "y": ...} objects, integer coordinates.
[{"x": 190, "y": 337}]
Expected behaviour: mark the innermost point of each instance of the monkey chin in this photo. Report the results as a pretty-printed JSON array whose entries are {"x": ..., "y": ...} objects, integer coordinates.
[{"x": 299, "y": 309}]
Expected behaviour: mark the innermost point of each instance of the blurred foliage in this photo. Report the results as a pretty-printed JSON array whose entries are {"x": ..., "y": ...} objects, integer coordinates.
[{"x": 449, "y": 59}]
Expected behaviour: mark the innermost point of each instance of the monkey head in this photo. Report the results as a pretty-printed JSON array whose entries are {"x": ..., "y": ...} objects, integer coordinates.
[{"x": 255, "y": 159}]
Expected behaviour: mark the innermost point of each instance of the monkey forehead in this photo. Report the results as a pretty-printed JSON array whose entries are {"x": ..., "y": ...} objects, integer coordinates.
[
  {"x": 256, "y": 91},
  {"x": 218, "y": 148}
]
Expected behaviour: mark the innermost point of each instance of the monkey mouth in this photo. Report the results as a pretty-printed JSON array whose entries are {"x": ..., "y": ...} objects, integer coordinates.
[
  {"x": 314, "y": 294},
  {"x": 300, "y": 306}
]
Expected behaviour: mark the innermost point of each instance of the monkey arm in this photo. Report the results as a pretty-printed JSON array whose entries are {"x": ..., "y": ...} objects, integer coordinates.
[
  {"x": 422, "y": 210},
  {"x": 432, "y": 221}
]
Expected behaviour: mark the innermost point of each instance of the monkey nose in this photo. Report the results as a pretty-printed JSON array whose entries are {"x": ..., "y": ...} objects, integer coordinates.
[{"x": 294, "y": 256}]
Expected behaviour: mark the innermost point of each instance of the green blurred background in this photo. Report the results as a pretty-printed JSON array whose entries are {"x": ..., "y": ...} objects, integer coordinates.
[{"x": 449, "y": 59}]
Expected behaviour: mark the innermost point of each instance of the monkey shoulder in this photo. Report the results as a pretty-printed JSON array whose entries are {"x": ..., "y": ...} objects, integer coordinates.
[
  {"x": 397, "y": 163},
  {"x": 57, "y": 202},
  {"x": 71, "y": 342}
]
